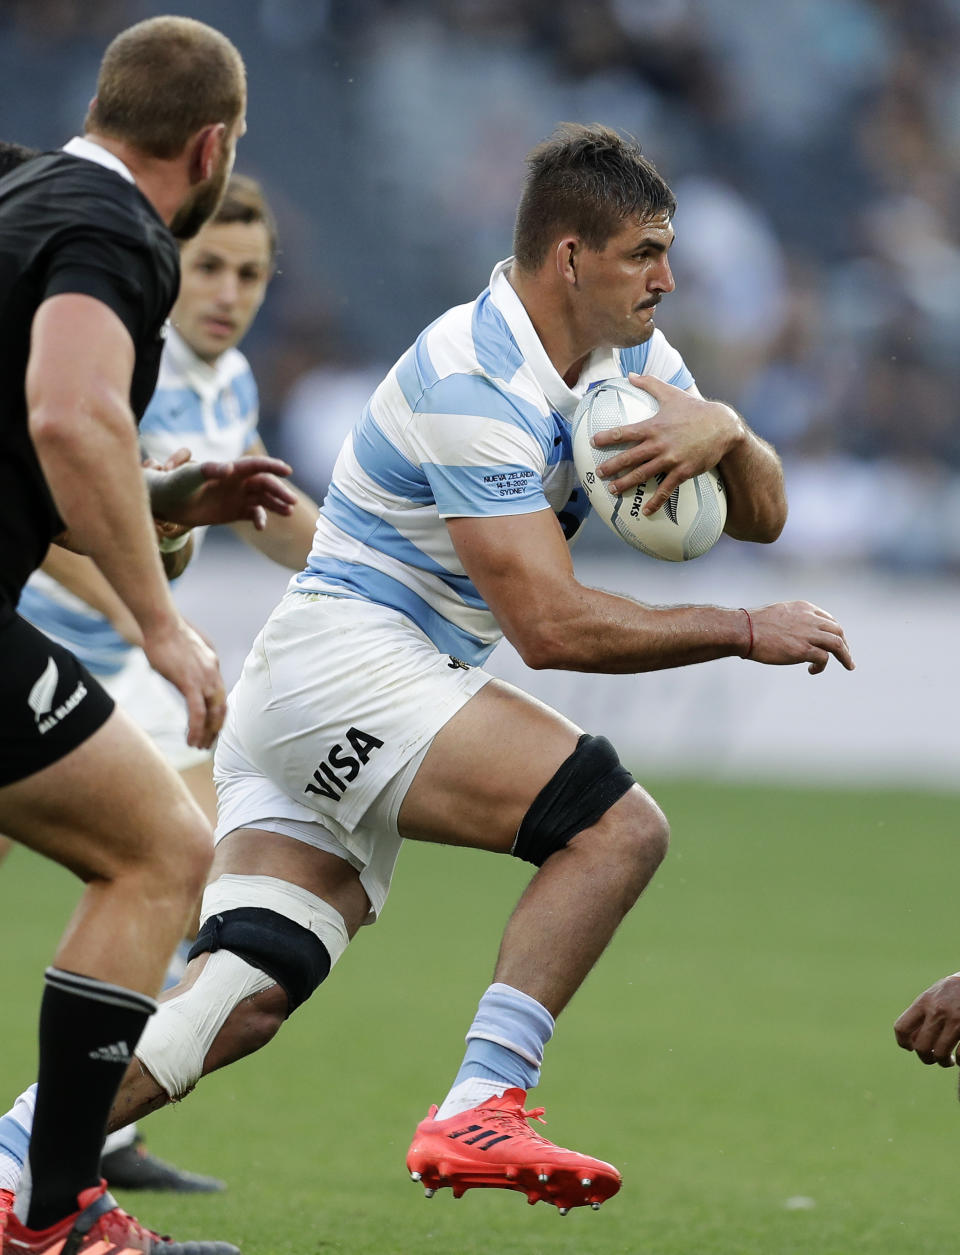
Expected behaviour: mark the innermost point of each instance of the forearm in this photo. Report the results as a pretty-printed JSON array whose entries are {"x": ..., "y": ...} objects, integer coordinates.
[
  {"x": 756, "y": 499},
  {"x": 80, "y": 576},
  {"x": 91, "y": 462},
  {"x": 606, "y": 633},
  {"x": 285, "y": 540}
]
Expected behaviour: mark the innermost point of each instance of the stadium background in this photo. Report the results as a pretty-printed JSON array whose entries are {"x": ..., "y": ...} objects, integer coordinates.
[
  {"x": 816, "y": 155},
  {"x": 815, "y": 149}
]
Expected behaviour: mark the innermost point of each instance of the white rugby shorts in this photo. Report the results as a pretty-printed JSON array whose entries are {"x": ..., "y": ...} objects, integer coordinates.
[
  {"x": 157, "y": 706},
  {"x": 338, "y": 703}
]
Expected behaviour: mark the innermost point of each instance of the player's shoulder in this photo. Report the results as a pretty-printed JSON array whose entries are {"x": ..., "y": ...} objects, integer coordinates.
[
  {"x": 74, "y": 190},
  {"x": 58, "y": 200},
  {"x": 474, "y": 339}
]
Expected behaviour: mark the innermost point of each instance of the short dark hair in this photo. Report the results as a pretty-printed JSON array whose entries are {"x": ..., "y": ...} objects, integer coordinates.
[
  {"x": 589, "y": 180},
  {"x": 244, "y": 201},
  {"x": 163, "y": 80},
  {"x": 14, "y": 155}
]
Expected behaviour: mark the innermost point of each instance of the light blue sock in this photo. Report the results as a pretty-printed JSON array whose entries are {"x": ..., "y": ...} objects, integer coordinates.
[
  {"x": 15, "y": 1129},
  {"x": 504, "y": 1048},
  {"x": 177, "y": 965}
]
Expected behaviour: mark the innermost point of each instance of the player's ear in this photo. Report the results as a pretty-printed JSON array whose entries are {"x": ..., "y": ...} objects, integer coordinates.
[
  {"x": 206, "y": 148},
  {"x": 567, "y": 256}
]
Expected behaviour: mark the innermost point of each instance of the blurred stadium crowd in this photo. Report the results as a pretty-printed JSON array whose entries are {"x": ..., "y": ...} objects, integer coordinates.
[{"x": 814, "y": 146}]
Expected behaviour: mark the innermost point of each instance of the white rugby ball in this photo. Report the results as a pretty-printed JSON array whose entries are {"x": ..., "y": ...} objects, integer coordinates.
[{"x": 687, "y": 525}]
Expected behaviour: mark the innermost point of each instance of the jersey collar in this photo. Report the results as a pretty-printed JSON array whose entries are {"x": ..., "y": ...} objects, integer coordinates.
[
  {"x": 601, "y": 364},
  {"x": 205, "y": 378},
  {"x": 86, "y": 148}
]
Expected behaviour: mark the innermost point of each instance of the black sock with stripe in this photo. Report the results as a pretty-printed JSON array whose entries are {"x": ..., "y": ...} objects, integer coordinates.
[{"x": 88, "y": 1031}]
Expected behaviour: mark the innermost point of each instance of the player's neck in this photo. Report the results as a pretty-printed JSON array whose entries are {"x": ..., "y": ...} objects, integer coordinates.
[
  {"x": 163, "y": 183},
  {"x": 553, "y": 323}
]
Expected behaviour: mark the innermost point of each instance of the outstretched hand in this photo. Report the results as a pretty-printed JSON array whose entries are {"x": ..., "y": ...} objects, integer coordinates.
[
  {"x": 789, "y": 632},
  {"x": 687, "y": 436},
  {"x": 930, "y": 1026},
  {"x": 204, "y": 493}
]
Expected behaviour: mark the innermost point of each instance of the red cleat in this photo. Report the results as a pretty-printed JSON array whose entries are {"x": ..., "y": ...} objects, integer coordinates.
[
  {"x": 492, "y": 1146},
  {"x": 6, "y": 1207},
  {"x": 100, "y": 1227}
]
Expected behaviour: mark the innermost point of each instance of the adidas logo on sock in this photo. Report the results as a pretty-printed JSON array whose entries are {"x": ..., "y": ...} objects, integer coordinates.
[{"x": 118, "y": 1052}]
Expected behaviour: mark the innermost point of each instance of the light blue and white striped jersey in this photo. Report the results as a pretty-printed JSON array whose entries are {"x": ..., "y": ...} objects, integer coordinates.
[
  {"x": 209, "y": 409},
  {"x": 473, "y": 420}
]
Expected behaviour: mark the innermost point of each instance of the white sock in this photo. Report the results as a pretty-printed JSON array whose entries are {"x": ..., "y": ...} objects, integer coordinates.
[
  {"x": 122, "y": 1137},
  {"x": 15, "y": 1129},
  {"x": 470, "y": 1093}
]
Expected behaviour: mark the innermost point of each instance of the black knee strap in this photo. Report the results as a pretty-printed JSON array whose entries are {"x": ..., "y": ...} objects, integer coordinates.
[
  {"x": 585, "y": 787},
  {"x": 290, "y": 954}
]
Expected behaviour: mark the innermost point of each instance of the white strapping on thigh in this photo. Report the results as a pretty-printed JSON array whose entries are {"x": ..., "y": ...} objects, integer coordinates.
[{"x": 230, "y": 891}]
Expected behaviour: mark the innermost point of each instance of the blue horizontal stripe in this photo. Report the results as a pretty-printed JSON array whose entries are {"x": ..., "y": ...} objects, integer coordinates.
[
  {"x": 474, "y": 395},
  {"x": 378, "y": 534},
  {"x": 361, "y": 581},
  {"x": 386, "y": 465},
  {"x": 95, "y": 641},
  {"x": 682, "y": 379},
  {"x": 499, "y": 489}
]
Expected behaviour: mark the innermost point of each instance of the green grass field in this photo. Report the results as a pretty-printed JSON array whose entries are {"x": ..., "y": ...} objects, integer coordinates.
[{"x": 733, "y": 1051}]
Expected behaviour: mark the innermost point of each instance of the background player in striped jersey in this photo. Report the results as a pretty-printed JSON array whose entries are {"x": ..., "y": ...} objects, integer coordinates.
[
  {"x": 205, "y": 400},
  {"x": 363, "y": 715}
]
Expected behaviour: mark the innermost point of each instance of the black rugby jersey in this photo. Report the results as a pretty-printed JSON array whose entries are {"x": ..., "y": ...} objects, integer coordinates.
[{"x": 68, "y": 225}]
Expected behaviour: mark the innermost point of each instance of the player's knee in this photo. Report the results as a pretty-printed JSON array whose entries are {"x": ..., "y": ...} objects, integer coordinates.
[
  {"x": 180, "y": 862},
  {"x": 249, "y": 1027},
  {"x": 166, "y": 863},
  {"x": 643, "y": 833},
  {"x": 174, "y": 1045},
  {"x": 585, "y": 787},
  {"x": 269, "y": 944}
]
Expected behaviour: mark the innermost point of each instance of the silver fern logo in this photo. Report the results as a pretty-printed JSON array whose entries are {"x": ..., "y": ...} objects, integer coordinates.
[
  {"x": 40, "y": 700},
  {"x": 671, "y": 506}
]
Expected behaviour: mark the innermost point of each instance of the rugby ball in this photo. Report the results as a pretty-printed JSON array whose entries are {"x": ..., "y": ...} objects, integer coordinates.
[{"x": 687, "y": 525}]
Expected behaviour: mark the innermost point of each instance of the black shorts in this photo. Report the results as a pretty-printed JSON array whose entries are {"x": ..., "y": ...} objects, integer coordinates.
[{"x": 50, "y": 702}]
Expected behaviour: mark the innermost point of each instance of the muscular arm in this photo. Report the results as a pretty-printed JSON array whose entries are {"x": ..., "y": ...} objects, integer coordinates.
[
  {"x": 690, "y": 435},
  {"x": 521, "y": 567},
  {"x": 78, "y": 381},
  {"x": 79, "y": 575},
  {"x": 753, "y": 475},
  {"x": 77, "y": 385},
  {"x": 286, "y": 539}
]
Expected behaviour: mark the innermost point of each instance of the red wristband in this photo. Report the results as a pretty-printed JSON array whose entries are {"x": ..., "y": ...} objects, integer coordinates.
[{"x": 749, "y": 649}]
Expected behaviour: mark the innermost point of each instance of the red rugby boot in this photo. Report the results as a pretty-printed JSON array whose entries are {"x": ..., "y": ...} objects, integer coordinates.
[
  {"x": 6, "y": 1207},
  {"x": 100, "y": 1227},
  {"x": 492, "y": 1146}
]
